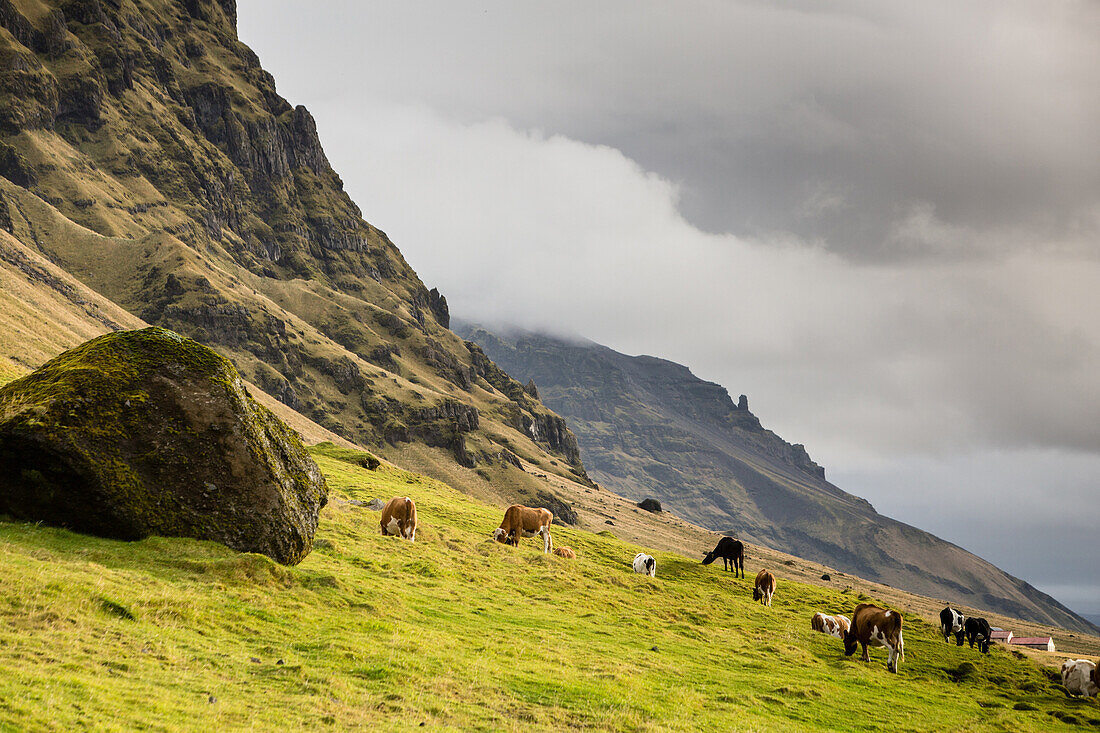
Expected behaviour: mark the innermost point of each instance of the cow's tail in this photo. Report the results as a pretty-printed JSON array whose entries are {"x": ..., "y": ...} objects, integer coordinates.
[{"x": 901, "y": 644}]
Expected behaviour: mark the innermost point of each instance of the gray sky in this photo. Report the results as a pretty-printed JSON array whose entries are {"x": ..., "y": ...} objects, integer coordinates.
[{"x": 880, "y": 220}]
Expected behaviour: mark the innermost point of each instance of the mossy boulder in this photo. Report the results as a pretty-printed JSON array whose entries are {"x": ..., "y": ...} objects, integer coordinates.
[{"x": 146, "y": 432}]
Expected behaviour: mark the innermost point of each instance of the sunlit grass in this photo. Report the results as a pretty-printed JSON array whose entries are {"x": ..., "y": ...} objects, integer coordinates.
[{"x": 458, "y": 632}]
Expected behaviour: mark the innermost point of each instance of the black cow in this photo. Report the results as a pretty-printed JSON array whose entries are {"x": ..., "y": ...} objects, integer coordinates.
[
  {"x": 732, "y": 553},
  {"x": 977, "y": 630},
  {"x": 951, "y": 623}
]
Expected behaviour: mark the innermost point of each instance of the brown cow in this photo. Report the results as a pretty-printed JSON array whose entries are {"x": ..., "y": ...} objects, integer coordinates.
[
  {"x": 764, "y": 588},
  {"x": 565, "y": 552},
  {"x": 874, "y": 626},
  {"x": 832, "y": 625},
  {"x": 524, "y": 521},
  {"x": 399, "y": 518}
]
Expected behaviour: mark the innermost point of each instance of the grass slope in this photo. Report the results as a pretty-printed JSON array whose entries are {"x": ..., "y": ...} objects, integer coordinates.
[{"x": 457, "y": 632}]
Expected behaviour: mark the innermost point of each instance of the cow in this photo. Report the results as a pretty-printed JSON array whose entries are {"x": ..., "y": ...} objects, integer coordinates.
[
  {"x": 524, "y": 521},
  {"x": 1079, "y": 676},
  {"x": 764, "y": 587},
  {"x": 645, "y": 565},
  {"x": 399, "y": 518},
  {"x": 977, "y": 630},
  {"x": 732, "y": 553},
  {"x": 951, "y": 623},
  {"x": 832, "y": 625},
  {"x": 565, "y": 552},
  {"x": 874, "y": 626}
]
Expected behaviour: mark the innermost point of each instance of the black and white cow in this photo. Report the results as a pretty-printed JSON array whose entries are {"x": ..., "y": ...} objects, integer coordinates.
[
  {"x": 977, "y": 630},
  {"x": 951, "y": 623},
  {"x": 645, "y": 565}
]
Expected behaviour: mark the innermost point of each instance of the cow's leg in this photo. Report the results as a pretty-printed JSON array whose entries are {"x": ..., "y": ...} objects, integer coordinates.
[
  {"x": 866, "y": 657},
  {"x": 547, "y": 541}
]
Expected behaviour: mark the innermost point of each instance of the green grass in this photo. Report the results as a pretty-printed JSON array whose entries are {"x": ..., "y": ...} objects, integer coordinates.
[{"x": 458, "y": 632}]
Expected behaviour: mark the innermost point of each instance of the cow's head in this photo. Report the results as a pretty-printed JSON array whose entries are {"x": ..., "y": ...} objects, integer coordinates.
[
  {"x": 708, "y": 558},
  {"x": 757, "y": 594},
  {"x": 500, "y": 535},
  {"x": 850, "y": 643}
]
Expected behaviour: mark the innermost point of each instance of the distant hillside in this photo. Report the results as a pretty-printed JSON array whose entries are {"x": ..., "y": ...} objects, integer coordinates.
[
  {"x": 649, "y": 427},
  {"x": 145, "y": 152}
]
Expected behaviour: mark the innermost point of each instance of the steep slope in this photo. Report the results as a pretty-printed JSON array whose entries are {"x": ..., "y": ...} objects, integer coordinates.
[
  {"x": 649, "y": 427},
  {"x": 145, "y": 151}
]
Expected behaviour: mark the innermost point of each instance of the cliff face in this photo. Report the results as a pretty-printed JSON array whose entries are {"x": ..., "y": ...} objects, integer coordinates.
[
  {"x": 144, "y": 150},
  {"x": 650, "y": 428}
]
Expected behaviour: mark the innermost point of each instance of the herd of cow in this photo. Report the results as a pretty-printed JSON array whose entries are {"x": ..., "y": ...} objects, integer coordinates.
[
  {"x": 1079, "y": 676},
  {"x": 870, "y": 625}
]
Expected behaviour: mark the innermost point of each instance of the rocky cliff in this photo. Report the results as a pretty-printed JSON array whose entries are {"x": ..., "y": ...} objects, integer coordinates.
[
  {"x": 649, "y": 427},
  {"x": 145, "y": 151}
]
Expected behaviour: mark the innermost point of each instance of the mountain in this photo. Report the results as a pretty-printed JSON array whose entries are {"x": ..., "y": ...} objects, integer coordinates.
[
  {"x": 145, "y": 152},
  {"x": 648, "y": 427}
]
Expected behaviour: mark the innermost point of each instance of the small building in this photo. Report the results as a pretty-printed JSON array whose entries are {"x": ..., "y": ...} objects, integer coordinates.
[
  {"x": 1005, "y": 637},
  {"x": 1034, "y": 642}
]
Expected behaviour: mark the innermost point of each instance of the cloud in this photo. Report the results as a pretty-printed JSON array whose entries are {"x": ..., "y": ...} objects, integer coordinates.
[
  {"x": 982, "y": 112},
  {"x": 559, "y": 234}
]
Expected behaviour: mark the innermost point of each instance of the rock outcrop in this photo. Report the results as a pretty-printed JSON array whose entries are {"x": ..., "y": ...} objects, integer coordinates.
[{"x": 142, "y": 433}]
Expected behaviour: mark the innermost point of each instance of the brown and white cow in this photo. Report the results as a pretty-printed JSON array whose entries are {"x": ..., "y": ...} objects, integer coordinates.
[
  {"x": 764, "y": 587},
  {"x": 565, "y": 552},
  {"x": 874, "y": 626},
  {"x": 1079, "y": 677},
  {"x": 399, "y": 518},
  {"x": 524, "y": 521},
  {"x": 832, "y": 625}
]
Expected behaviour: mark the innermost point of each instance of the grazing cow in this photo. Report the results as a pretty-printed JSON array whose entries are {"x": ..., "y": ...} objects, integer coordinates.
[
  {"x": 399, "y": 518},
  {"x": 1079, "y": 676},
  {"x": 764, "y": 588},
  {"x": 977, "y": 630},
  {"x": 645, "y": 565},
  {"x": 565, "y": 552},
  {"x": 524, "y": 521},
  {"x": 732, "y": 553},
  {"x": 874, "y": 626},
  {"x": 832, "y": 625},
  {"x": 951, "y": 623}
]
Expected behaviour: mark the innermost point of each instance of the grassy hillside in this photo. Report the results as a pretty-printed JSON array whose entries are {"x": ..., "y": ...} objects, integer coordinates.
[
  {"x": 649, "y": 427},
  {"x": 457, "y": 632}
]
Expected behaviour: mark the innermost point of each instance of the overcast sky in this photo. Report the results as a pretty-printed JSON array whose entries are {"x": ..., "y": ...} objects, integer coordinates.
[{"x": 880, "y": 220}]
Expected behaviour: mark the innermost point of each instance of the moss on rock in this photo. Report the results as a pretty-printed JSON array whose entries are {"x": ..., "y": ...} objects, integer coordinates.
[{"x": 146, "y": 432}]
